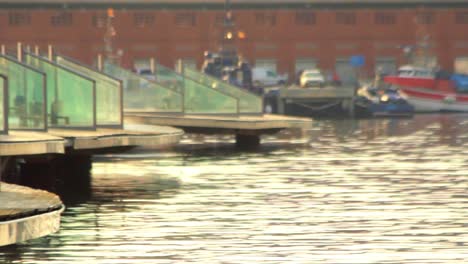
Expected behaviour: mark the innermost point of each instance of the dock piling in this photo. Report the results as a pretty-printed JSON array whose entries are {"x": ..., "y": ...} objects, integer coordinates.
[{"x": 247, "y": 141}]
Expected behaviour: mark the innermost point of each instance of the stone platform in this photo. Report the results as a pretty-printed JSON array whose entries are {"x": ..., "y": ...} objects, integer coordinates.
[
  {"x": 220, "y": 123},
  {"x": 19, "y": 143},
  {"x": 26, "y": 213},
  {"x": 131, "y": 135},
  {"x": 246, "y": 128}
]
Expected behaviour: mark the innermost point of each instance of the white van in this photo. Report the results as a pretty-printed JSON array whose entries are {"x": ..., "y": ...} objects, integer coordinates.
[
  {"x": 312, "y": 78},
  {"x": 267, "y": 77}
]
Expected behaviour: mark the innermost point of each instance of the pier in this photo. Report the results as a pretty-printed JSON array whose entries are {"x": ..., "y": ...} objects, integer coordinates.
[
  {"x": 53, "y": 118},
  {"x": 26, "y": 213},
  {"x": 246, "y": 128},
  {"x": 56, "y": 113},
  {"x": 294, "y": 100},
  {"x": 198, "y": 103}
]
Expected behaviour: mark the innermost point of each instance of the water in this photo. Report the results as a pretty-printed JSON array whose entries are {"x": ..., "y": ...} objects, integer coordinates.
[{"x": 369, "y": 191}]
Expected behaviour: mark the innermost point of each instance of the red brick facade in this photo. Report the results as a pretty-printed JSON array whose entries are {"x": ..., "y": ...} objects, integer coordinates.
[{"x": 284, "y": 35}]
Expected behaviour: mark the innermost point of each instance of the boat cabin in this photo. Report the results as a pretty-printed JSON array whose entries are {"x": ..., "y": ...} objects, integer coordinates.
[{"x": 415, "y": 72}]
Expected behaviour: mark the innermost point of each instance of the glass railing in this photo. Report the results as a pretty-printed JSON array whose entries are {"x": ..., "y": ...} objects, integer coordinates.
[
  {"x": 70, "y": 95},
  {"x": 141, "y": 94},
  {"x": 169, "y": 78},
  {"x": 249, "y": 103},
  {"x": 108, "y": 93},
  {"x": 26, "y": 96},
  {"x": 3, "y": 105},
  {"x": 198, "y": 97}
]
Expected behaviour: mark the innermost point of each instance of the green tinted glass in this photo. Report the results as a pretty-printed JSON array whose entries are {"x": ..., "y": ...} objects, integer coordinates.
[
  {"x": 108, "y": 93},
  {"x": 3, "y": 106},
  {"x": 141, "y": 94},
  {"x": 169, "y": 78},
  {"x": 248, "y": 102},
  {"x": 200, "y": 99},
  {"x": 70, "y": 96},
  {"x": 26, "y": 95}
]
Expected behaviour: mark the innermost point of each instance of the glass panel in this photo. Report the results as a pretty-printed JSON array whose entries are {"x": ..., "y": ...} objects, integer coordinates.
[
  {"x": 108, "y": 93},
  {"x": 248, "y": 102},
  {"x": 70, "y": 96},
  {"x": 169, "y": 78},
  {"x": 201, "y": 99},
  {"x": 26, "y": 95},
  {"x": 3, "y": 106},
  {"x": 198, "y": 98},
  {"x": 143, "y": 94}
]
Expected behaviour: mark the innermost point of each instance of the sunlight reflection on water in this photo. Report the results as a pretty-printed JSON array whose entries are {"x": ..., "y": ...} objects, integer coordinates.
[{"x": 368, "y": 191}]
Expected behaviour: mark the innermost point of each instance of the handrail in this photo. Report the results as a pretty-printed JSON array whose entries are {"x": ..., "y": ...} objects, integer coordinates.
[
  {"x": 54, "y": 64},
  {"x": 44, "y": 92},
  {"x": 5, "y": 104}
]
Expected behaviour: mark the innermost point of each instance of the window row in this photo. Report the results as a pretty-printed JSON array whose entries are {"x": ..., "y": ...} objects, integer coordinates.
[
  {"x": 140, "y": 19},
  {"x": 188, "y": 19}
]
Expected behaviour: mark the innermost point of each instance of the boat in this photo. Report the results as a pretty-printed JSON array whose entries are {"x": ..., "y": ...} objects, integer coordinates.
[
  {"x": 377, "y": 101},
  {"x": 431, "y": 90}
]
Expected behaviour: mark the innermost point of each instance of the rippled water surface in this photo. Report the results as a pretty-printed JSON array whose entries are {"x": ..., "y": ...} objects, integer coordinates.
[{"x": 368, "y": 191}]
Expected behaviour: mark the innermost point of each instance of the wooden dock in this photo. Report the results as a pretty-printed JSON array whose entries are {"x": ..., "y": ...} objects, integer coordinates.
[
  {"x": 247, "y": 128},
  {"x": 294, "y": 100},
  {"x": 106, "y": 138},
  {"x": 26, "y": 213},
  {"x": 20, "y": 143}
]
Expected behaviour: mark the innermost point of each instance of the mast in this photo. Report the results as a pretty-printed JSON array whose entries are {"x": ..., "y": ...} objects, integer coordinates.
[{"x": 109, "y": 36}]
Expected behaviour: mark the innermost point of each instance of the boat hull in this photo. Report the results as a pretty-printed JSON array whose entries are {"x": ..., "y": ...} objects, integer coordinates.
[{"x": 426, "y": 100}]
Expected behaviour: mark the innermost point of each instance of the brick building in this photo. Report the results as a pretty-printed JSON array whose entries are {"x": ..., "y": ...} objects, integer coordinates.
[{"x": 283, "y": 35}]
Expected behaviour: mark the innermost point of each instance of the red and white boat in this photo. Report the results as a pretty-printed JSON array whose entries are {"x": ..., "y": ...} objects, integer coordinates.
[{"x": 426, "y": 92}]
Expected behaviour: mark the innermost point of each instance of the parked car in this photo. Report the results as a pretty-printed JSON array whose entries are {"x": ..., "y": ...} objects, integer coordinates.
[
  {"x": 312, "y": 78},
  {"x": 266, "y": 77}
]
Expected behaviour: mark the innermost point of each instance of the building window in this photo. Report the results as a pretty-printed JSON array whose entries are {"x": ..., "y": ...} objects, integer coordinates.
[
  {"x": 99, "y": 20},
  {"x": 62, "y": 19},
  {"x": 185, "y": 19},
  {"x": 304, "y": 64},
  {"x": 461, "y": 18},
  {"x": 384, "y": 18},
  {"x": 265, "y": 19},
  {"x": 143, "y": 19},
  {"x": 222, "y": 19},
  {"x": 19, "y": 19},
  {"x": 269, "y": 64},
  {"x": 461, "y": 65},
  {"x": 385, "y": 65},
  {"x": 345, "y": 18},
  {"x": 425, "y": 18},
  {"x": 305, "y": 18}
]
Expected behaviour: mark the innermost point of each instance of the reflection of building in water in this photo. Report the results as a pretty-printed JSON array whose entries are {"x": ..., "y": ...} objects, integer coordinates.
[{"x": 283, "y": 35}]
